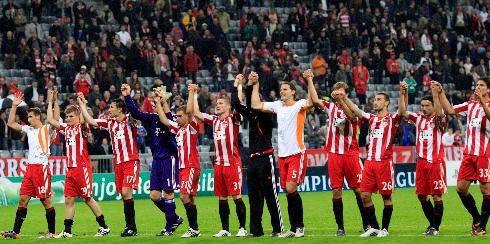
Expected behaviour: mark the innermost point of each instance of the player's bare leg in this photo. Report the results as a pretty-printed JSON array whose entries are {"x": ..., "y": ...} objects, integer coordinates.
[
  {"x": 99, "y": 217},
  {"x": 485, "y": 208},
  {"x": 191, "y": 212},
  {"x": 241, "y": 213},
  {"x": 129, "y": 213},
  {"x": 371, "y": 215},
  {"x": 462, "y": 188},
  {"x": 295, "y": 211},
  {"x": 20, "y": 216}
]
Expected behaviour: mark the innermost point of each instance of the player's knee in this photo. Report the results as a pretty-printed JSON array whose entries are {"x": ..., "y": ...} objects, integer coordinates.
[
  {"x": 423, "y": 198},
  {"x": 46, "y": 202},
  {"x": 437, "y": 198},
  {"x": 88, "y": 200},
  {"x": 168, "y": 195},
  {"x": 485, "y": 188},
  {"x": 154, "y": 196},
  {"x": 184, "y": 198},
  {"x": 290, "y": 188},
  {"x": 337, "y": 193},
  {"x": 365, "y": 197}
]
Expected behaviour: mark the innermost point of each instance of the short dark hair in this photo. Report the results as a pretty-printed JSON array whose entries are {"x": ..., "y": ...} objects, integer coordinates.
[
  {"x": 35, "y": 111},
  {"x": 181, "y": 108},
  {"x": 428, "y": 98},
  {"x": 121, "y": 104},
  {"x": 291, "y": 86},
  {"x": 386, "y": 96},
  {"x": 72, "y": 109},
  {"x": 486, "y": 80}
]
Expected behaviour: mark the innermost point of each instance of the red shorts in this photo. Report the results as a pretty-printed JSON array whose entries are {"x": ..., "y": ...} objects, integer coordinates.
[
  {"x": 430, "y": 178},
  {"x": 127, "y": 174},
  {"x": 78, "y": 182},
  {"x": 340, "y": 166},
  {"x": 378, "y": 177},
  {"x": 37, "y": 181},
  {"x": 474, "y": 168},
  {"x": 189, "y": 180},
  {"x": 227, "y": 180},
  {"x": 292, "y": 169}
]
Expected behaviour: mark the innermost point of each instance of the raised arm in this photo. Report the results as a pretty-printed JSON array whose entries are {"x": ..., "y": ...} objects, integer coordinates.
[
  {"x": 352, "y": 107},
  {"x": 402, "y": 105},
  {"x": 195, "y": 109},
  {"x": 436, "y": 91},
  {"x": 339, "y": 98},
  {"x": 56, "y": 106},
  {"x": 256, "y": 104},
  {"x": 448, "y": 109},
  {"x": 18, "y": 98},
  {"x": 236, "y": 96},
  {"x": 313, "y": 96},
  {"x": 132, "y": 108},
  {"x": 190, "y": 100},
  {"x": 159, "y": 109},
  {"x": 83, "y": 109},
  {"x": 49, "y": 116}
]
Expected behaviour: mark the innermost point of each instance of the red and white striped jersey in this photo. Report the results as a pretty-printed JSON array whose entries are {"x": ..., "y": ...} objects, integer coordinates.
[
  {"x": 123, "y": 139},
  {"x": 342, "y": 133},
  {"x": 429, "y": 136},
  {"x": 76, "y": 145},
  {"x": 477, "y": 128},
  {"x": 381, "y": 134},
  {"x": 225, "y": 130},
  {"x": 186, "y": 138}
]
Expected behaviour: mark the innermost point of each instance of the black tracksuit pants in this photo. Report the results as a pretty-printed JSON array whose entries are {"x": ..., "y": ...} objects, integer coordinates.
[{"x": 262, "y": 183}]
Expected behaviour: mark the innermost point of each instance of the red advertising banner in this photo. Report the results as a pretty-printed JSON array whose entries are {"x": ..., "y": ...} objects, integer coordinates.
[{"x": 17, "y": 166}]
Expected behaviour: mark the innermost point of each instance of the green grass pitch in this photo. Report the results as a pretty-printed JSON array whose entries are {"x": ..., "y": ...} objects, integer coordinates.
[{"x": 407, "y": 224}]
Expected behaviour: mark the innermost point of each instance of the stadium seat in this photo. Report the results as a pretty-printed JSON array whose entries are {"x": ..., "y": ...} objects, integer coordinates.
[{"x": 17, "y": 154}]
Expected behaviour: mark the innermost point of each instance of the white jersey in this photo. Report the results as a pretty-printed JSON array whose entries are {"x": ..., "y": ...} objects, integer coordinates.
[
  {"x": 39, "y": 142},
  {"x": 290, "y": 125}
]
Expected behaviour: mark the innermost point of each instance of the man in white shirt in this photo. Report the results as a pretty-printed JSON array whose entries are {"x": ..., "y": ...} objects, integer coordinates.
[
  {"x": 124, "y": 35},
  {"x": 448, "y": 137}
]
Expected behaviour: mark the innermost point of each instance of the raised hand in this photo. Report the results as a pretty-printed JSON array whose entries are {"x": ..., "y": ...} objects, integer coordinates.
[
  {"x": 125, "y": 90},
  {"x": 308, "y": 74},
  {"x": 436, "y": 86},
  {"x": 54, "y": 93},
  {"x": 253, "y": 78},
  {"x": 403, "y": 87},
  {"x": 18, "y": 99},
  {"x": 239, "y": 80}
]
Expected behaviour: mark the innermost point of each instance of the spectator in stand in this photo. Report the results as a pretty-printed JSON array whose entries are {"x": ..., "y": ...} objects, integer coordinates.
[
  {"x": 458, "y": 138},
  {"x": 141, "y": 138},
  {"x": 4, "y": 131},
  {"x": 34, "y": 91},
  {"x": 313, "y": 134},
  {"x": 4, "y": 90},
  {"x": 448, "y": 137},
  {"x": 67, "y": 74},
  {"x": 361, "y": 80},
  {"x": 393, "y": 69},
  {"x": 412, "y": 87},
  {"x": 83, "y": 82},
  {"x": 161, "y": 63},
  {"x": 192, "y": 62},
  {"x": 9, "y": 50}
]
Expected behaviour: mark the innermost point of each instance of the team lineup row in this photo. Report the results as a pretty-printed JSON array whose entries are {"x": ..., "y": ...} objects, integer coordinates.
[{"x": 173, "y": 140}]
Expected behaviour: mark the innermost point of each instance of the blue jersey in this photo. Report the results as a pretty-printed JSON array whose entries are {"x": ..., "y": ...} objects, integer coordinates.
[{"x": 162, "y": 142}]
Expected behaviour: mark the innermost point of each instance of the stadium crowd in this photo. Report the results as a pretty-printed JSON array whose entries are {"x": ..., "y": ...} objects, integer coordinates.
[{"x": 94, "y": 48}]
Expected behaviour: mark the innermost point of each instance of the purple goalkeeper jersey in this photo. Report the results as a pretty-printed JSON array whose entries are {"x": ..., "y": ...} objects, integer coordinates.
[{"x": 162, "y": 142}]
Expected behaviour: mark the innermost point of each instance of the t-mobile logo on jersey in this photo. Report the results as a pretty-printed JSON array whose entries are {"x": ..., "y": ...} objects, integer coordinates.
[{"x": 159, "y": 131}]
